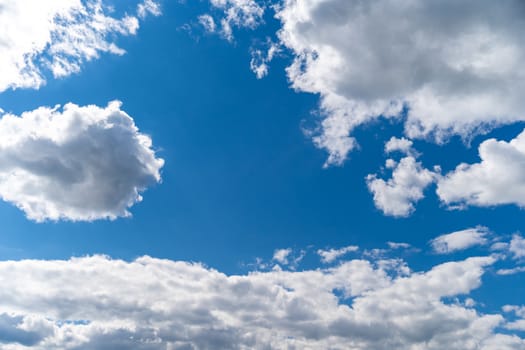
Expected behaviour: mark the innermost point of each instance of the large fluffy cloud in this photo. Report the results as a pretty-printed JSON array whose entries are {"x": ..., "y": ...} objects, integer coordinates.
[
  {"x": 497, "y": 179},
  {"x": 78, "y": 163},
  {"x": 96, "y": 302},
  {"x": 455, "y": 65},
  {"x": 57, "y": 36}
]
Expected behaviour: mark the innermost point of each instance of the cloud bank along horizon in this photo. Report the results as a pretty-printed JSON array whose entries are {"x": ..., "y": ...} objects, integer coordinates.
[{"x": 372, "y": 300}]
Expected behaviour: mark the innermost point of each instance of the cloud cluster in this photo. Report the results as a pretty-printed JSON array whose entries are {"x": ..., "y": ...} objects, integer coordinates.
[
  {"x": 96, "y": 302},
  {"x": 57, "y": 36},
  {"x": 455, "y": 66},
  {"x": 75, "y": 163}
]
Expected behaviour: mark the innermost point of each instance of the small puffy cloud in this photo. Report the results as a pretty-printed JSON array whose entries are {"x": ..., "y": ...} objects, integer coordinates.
[
  {"x": 39, "y": 37},
  {"x": 460, "y": 240},
  {"x": 496, "y": 180},
  {"x": 454, "y": 67},
  {"x": 402, "y": 145},
  {"x": 281, "y": 255},
  {"x": 99, "y": 303},
  {"x": 397, "y": 195},
  {"x": 262, "y": 57},
  {"x": 330, "y": 255},
  {"x": 75, "y": 163},
  {"x": 517, "y": 246}
]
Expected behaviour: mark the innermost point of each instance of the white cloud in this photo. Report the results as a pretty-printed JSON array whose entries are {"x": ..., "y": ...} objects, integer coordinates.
[
  {"x": 497, "y": 179},
  {"x": 460, "y": 240},
  {"x": 99, "y": 303},
  {"x": 78, "y": 163},
  {"x": 330, "y": 255},
  {"x": 148, "y": 7},
  {"x": 402, "y": 145},
  {"x": 238, "y": 13},
  {"x": 517, "y": 246},
  {"x": 261, "y": 59},
  {"x": 397, "y": 195},
  {"x": 281, "y": 255},
  {"x": 511, "y": 271},
  {"x": 398, "y": 245},
  {"x": 57, "y": 36},
  {"x": 208, "y": 23},
  {"x": 456, "y": 66}
]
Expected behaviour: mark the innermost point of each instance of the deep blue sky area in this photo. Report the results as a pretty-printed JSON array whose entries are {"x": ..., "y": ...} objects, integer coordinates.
[{"x": 241, "y": 178}]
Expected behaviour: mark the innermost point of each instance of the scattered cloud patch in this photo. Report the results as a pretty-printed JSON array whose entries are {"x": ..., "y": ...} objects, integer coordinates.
[
  {"x": 460, "y": 240},
  {"x": 208, "y": 23},
  {"x": 454, "y": 67},
  {"x": 234, "y": 14},
  {"x": 75, "y": 163},
  {"x": 398, "y": 245},
  {"x": 148, "y": 7},
  {"x": 57, "y": 37},
  {"x": 148, "y": 303},
  {"x": 262, "y": 57},
  {"x": 330, "y": 255}
]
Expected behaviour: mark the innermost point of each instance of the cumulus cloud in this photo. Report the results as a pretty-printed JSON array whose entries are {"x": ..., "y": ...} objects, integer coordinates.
[
  {"x": 281, "y": 255},
  {"x": 397, "y": 195},
  {"x": 75, "y": 163},
  {"x": 402, "y": 145},
  {"x": 460, "y": 240},
  {"x": 97, "y": 302},
  {"x": 454, "y": 67},
  {"x": 497, "y": 179},
  {"x": 330, "y": 255},
  {"x": 39, "y": 37}
]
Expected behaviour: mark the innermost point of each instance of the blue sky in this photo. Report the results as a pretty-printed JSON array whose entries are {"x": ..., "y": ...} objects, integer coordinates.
[{"x": 256, "y": 183}]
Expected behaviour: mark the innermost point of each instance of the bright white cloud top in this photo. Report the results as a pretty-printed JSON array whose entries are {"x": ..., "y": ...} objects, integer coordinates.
[
  {"x": 460, "y": 240},
  {"x": 397, "y": 195},
  {"x": 57, "y": 37},
  {"x": 456, "y": 66},
  {"x": 161, "y": 304},
  {"x": 497, "y": 179},
  {"x": 75, "y": 163}
]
